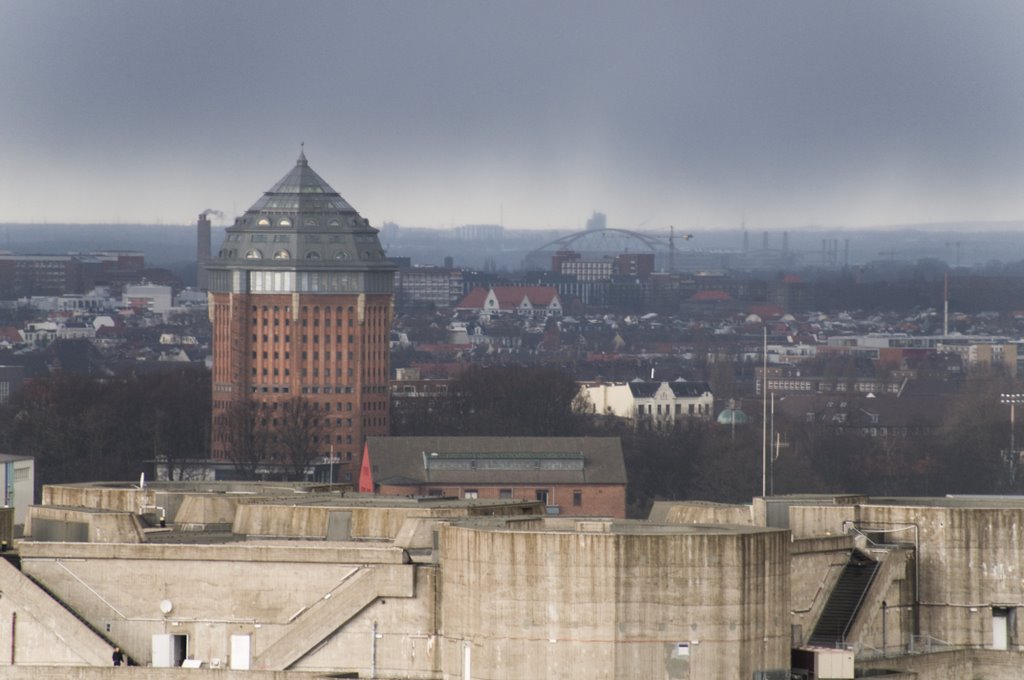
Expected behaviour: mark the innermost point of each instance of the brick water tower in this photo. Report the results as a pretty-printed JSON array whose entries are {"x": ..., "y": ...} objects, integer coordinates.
[{"x": 301, "y": 305}]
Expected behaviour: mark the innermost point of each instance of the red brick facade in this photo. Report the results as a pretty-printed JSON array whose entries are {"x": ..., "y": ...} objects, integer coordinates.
[{"x": 332, "y": 350}]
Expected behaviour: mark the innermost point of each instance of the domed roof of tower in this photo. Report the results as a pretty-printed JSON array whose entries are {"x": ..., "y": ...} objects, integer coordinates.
[
  {"x": 302, "y": 219},
  {"x": 301, "y": 190}
]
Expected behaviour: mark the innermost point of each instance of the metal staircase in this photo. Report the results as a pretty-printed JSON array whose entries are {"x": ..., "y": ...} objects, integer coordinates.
[{"x": 843, "y": 604}]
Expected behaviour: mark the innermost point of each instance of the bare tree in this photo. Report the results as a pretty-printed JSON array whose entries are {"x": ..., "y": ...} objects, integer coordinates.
[
  {"x": 299, "y": 437},
  {"x": 248, "y": 438}
]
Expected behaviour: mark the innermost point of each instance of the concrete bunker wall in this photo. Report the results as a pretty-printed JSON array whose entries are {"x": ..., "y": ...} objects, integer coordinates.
[
  {"x": 610, "y": 605},
  {"x": 325, "y": 596},
  {"x": 969, "y": 560}
]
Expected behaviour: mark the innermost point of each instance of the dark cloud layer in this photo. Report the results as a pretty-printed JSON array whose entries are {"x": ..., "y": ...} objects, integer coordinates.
[{"x": 694, "y": 113}]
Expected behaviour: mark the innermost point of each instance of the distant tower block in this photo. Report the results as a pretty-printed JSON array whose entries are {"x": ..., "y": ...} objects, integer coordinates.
[
  {"x": 597, "y": 221},
  {"x": 301, "y": 300},
  {"x": 202, "y": 250}
]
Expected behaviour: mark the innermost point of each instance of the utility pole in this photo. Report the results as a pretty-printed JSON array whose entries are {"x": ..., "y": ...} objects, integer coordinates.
[
  {"x": 764, "y": 415},
  {"x": 1011, "y": 456}
]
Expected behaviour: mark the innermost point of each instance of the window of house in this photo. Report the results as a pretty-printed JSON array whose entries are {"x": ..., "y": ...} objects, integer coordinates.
[
  {"x": 504, "y": 493},
  {"x": 542, "y": 496},
  {"x": 470, "y": 493},
  {"x": 577, "y": 497}
]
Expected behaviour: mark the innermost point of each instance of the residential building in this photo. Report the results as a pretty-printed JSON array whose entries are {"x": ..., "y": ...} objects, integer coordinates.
[
  {"x": 149, "y": 297},
  {"x": 536, "y": 301},
  {"x": 28, "y": 275},
  {"x": 794, "y": 379},
  {"x": 438, "y": 287},
  {"x": 11, "y": 379},
  {"x": 651, "y": 403}
]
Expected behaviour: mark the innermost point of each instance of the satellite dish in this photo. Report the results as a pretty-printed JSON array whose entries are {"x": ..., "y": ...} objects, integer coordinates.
[{"x": 166, "y": 606}]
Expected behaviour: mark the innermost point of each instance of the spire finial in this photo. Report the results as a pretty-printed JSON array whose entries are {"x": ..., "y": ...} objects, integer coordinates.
[{"x": 302, "y": 153}]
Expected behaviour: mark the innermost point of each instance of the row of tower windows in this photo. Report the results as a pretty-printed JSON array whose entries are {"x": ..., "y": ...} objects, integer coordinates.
[
  {"x": 315, "y": 372},
  {"x": 305, "y": 309},
  {"x": 276, "y": 389},
  {"x": 308, "y": 222},
  {"x": 285, "y": 254},
  {"x": 305, "y": 355},
  {"x": 305, "y": 339}
]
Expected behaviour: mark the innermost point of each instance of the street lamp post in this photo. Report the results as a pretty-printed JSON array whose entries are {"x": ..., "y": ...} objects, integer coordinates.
[{"x": 1012, "y": 399}]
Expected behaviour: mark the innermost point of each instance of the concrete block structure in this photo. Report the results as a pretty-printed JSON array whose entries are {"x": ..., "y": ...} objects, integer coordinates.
[
  {"x": 314, "y": 582},
  {"x": 274, "y": 579},
  {"x": 606, "y": 600},
  {"x": 935, "y": 582}
]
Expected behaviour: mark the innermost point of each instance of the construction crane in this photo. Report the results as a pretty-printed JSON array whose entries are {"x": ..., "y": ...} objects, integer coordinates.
[{"x": 672, "y": 247}]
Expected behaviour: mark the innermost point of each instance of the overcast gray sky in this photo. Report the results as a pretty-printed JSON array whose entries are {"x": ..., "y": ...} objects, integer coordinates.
[{"x": 697, "y": 113}]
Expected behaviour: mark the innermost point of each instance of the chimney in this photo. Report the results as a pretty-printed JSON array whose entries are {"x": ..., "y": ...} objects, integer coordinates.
[{"x": 202, "y": 250}]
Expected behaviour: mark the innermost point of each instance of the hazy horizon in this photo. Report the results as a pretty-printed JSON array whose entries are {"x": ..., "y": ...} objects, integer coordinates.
[{"x": 697, "y": 114}]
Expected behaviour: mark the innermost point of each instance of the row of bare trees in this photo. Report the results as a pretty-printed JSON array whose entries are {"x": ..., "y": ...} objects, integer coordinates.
[
  {"x": 80, "y": 428},
  {"x": 281, "y": 439}
]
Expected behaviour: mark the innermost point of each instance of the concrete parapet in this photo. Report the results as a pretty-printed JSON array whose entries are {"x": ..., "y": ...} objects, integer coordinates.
[
  {"x": 816, "y": 521},
  {"x": 273, "y": 520},
  {"x": 362, "y": 519},
  {"x": 36, "y": 672},
  {"x": 79, "y": 524},
  {"x": 957, "y": 663},
  {"x": 699, "y": 512},
  {"x": 417, "y": 533},
  {"x": 251, "y": 551},
  {"x": 205, "y": 510},
  {"x": 116, "y": 497}
]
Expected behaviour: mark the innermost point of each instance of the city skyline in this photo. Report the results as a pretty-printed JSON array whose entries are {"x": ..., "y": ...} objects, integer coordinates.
[{"x": 697, "y": 114}]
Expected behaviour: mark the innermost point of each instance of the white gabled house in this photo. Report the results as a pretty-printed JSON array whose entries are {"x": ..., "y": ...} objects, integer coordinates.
[
  {"x": 658, "y": 404},
  {"x": 535, "y": 301}
]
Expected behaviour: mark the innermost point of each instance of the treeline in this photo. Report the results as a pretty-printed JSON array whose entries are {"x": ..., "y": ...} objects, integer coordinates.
[
  {"x": 80, "y": 428},
  {"x": 703, "y": 460}
]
